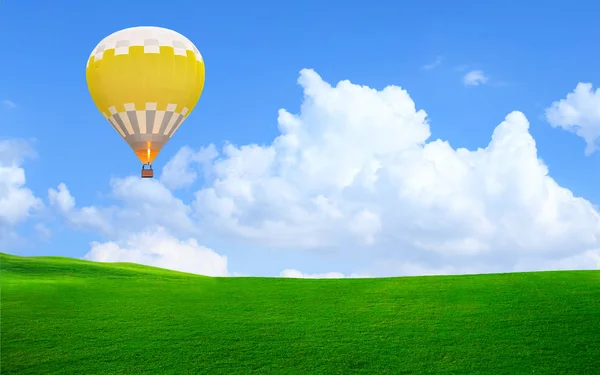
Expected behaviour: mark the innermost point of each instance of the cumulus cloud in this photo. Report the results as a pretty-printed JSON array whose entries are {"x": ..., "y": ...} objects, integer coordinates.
[
  {"x": 156, "y": 247},
  {"x": 579, "y": 113},
  {"x": 140, "y": 203},
  {"x": 475, "y": 78},
  {"x": 146, "y": 201},
  {"x": 589, "y": 260},
  {"x": 141, "y": 227},
  {"x": 17, "y": 202},
  {"x": 86, "y": 217},
  {"x": 355, "y": 172},
  {"x": 179, "y": 172},
  {"x": 355, "y": 167}
]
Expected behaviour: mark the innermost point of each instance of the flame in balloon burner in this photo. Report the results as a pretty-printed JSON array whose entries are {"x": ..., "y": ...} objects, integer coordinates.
[{"x": 148, "y": 146}]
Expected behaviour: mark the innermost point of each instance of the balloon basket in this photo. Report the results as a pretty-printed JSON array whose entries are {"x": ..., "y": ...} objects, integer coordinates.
[{"x": 147, "y": 173}]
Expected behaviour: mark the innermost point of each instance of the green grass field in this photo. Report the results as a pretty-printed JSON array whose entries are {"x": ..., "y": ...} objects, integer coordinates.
[{"x": 67, "y": 316}]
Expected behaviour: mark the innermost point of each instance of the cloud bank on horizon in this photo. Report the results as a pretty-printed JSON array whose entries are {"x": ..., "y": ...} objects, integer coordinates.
[{"x": 356, "y": 170}]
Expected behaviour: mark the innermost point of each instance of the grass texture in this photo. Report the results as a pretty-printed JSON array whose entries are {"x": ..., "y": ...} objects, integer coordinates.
[{"x": 68, "y": 316}]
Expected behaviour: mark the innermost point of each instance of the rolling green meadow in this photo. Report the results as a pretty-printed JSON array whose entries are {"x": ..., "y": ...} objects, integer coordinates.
[{"x": 69, "y": 316}]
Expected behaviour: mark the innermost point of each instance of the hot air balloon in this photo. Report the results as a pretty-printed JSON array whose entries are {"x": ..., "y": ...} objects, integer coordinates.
[{"x": 145, "y": 81}]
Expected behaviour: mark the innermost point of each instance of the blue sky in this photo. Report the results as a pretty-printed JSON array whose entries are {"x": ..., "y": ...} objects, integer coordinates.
[{"x": 531, "y": 55}]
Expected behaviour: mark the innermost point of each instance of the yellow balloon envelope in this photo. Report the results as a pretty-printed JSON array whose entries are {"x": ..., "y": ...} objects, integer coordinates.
[{"x": 146, "y": 81}]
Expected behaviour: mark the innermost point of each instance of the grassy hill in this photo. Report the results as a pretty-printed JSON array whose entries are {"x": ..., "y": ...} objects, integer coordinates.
[{"x": 67, "y": 316}]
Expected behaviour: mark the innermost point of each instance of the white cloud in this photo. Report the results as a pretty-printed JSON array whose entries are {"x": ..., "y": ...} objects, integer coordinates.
[
  {"x": 9, "y": 104},
  {"x": 292, "y": 273},
  {"x": 180, "y": 172},
  {"x": 410, "y": 268},
  {"x": 15, "y": 151},
  {"x": 17, "y": 202},
  {"x": 86, "y": 217},
  {"x": 437, "y": 62},
  {"x": 141, "y": 227},
  {"x": 354, "y": 167},
  {"x": 156, "y": 247},
  {"x": 475, "y": 78},
  {"x": 579, "y": 113},
  {"x": 141, "y": 203},
  {"x": 145, "y": 201},
  {"x": 585, "y": 260},
  {"x": 61, "y": 198},
  {"x": 356, "y": 173}
]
